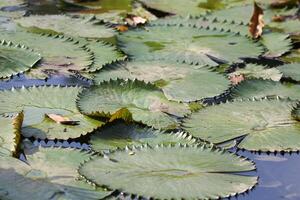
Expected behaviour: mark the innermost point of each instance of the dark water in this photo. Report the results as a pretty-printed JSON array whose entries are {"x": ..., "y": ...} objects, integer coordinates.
[{"x": 279, "y": 176}]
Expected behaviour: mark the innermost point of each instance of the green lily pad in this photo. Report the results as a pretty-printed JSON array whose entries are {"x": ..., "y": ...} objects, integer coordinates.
[
  {"x": 15, "y": 59},
  {"x": 291, "y": 71},
  {"x": 121, "y": 135},
  {"x": 296, "y": 112},
  {"x": 10, "y": 134},
  {"x": 205, "y": 173},
  {"x": 266, "y": 124},
  {"x": 257, "y": 88},
  {"x": 258, "y": 72},
  {"x": 51, "y": 173},
  {"x": 36, "y": 102},
  {"x": 131, "y": 100},
  {"x": 190, "y": 45},
  {"x": 179, "y": 82},
  {"x": 71, "y": 26}
]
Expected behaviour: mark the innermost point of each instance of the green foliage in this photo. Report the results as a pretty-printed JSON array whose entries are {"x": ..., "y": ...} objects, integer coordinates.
[
  {"x": 205, "y": 172},
  {"x": 267, "y": 124},
  {"x": 179, "y": 81},
  {"x": 38, "y": 101},
  {"x": 291, "y": 71},
  {"x": 146, "y": 103}
]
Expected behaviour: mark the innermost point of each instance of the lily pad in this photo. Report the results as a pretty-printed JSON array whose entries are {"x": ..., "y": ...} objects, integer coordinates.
[
  {"x": 15, "y": 59},
  {"x": 296, "y": 112},
  {"x": 39, "y": 101},
  {"x": 61, "y": 55},
  {"x": 190, "y": 45},
  {"x": 131, "y": 100},
  {"x": 10, "y": 134},
  {"x": 121, "y": 135},
  {"x": 179, "y": 81},
  {"x": 291, "y": 71},
  {"x": 257, "y": 88},
  {"x": 267, "y": 125},
  {"x": 71, "y": 26},
  {"x": 51, "y": 173},
  {"x": 258, "y": 72},
  {"x": 205, "y": 173}
]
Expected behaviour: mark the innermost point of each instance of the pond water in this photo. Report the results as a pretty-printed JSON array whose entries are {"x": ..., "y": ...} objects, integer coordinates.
[{"x": 279, "y": 176}]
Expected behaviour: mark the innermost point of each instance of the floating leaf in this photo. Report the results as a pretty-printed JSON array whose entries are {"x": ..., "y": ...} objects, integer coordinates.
[
  {"x": 191, "y": 45},
  {"x": 276, "y": 43},
  {"x": 256, "y": 24},
  {"x": 10, "y": 134},
  {"x": 6, "y": 3},
  {"x": 291, "y": 71},
  {"x": 74, "y": 27},
  {"x": 15, "y": 59},
  {"x": 38, "y": 101},
  {"x": 61, "y": 55},
  {"x": 266, "y": 88},
  {"x": 296, "y": 113},
  {"x": 258, "y": 71},
  {"x": 120, "y": 135},
  {"x": 51, "y": 173},
  {"x": 205, "y": 173},
  {"x": 267, "y": 125},
  {"x": 145, "y": 102},
  {"x": 179, "y": 81}
]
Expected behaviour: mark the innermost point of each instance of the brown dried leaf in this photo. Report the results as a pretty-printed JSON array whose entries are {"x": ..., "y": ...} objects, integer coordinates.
[
  {"x": 62, "y": 120},
  {"x": 122, "y": 28},
  {"x": 256, "y": 23}
]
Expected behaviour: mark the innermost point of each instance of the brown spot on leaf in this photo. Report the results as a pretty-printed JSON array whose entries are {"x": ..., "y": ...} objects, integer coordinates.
[{"x": 256, "y": 22}]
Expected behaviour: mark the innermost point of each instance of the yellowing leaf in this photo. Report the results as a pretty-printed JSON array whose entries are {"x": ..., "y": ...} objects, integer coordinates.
[
  {"x": 256, "y": 23},
  {"x": 62, "y": 120}
]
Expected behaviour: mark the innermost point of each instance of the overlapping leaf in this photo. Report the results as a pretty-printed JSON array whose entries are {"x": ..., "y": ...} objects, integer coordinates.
[
  {"x": 15, "y": 59},
  {"x": 205, "y": 173},
  {"x": 134, "y": 100},
  {"x": 50, "y": 174},
  {"x": 120, "y": 135},
  {"x": 74, "y": 27},
  {"x": 267, "y": 125},
  {"x": 38, "y": 101},
  {"x": 266, "y": 88},
  {"x": 180, "y": 82},
  {"x": 191, "y": 45},
  {"x": 291, "y": 71},
  {"x": 10, "y": 134}
]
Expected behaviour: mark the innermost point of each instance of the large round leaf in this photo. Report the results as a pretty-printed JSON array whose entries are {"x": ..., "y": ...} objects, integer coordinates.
[
  {"x": 131, "y": 100},
  {"x": 171, "y": 172},
  {"x": 120, "y": 135},
  {"x": 39, "y": 101},
  {"x": 61, "y": 55},
  {"x": 75, "y": 27},
  {"x": 10, "y": 134},
  {"x": 257, "y": 88},
  {"x": 180, "y": 82},
  {"x": 191, "y": 45},
  {"x": 267, "y": 125},
  {"x": 15, "y": 59},
  {"x": 49, "y": 174},
  {"x": 291, "y": 71}
]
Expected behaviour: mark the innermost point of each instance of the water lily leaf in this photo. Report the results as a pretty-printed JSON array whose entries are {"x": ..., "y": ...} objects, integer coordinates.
[
  {"x": 38, "y": 101},
  {"x": 291, "y": 71},
  {"x": 74, "y": 27},
  {"x": 51, "y": 173},
  {"x": 120, "y": 135},
  {"x": 258, "y": 71},
  {"x": 276, "y": 43},
  {"x": 6, "y": 3},
  {"x": 145, "y": 102},
  {"x": 102, "y": 6},
  {"x": 170, "y": 76},
  {"x": 266, "y": 88},
  {"x": 15, "y": 59},
  {"x": 296, "y": 112},
  {"x": 10, "y": 134},
  {"x": 267, "y": 125},
  {"x": 206, "y": 173},
  {"x": 288, "y": 26},
  {"x": 190, "y": 45},
  {"x": 103, "y": 54},
  {"x": 257, "y": 23},
  {"x": 61, "y": 55}
]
